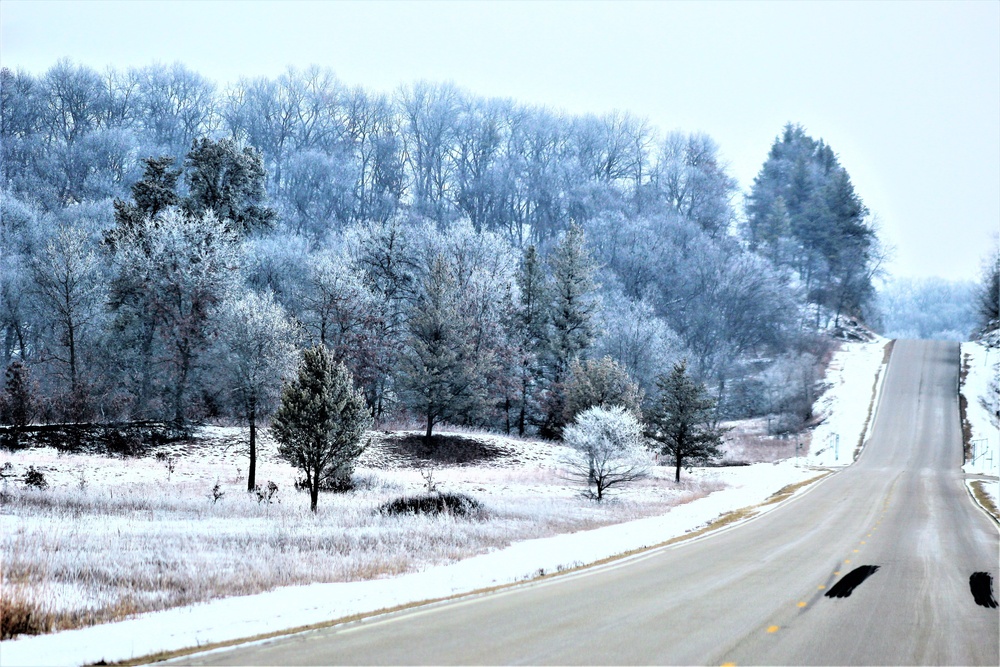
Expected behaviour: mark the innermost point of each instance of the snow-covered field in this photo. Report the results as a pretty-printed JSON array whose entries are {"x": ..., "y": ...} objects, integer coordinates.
[
  {"x": 980, "y": 367},
  {"x": 113, "y": 538}
]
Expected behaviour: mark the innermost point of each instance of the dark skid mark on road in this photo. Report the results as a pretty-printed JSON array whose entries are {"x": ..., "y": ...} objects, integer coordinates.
[
  {"x": 981, "y": 584},
  {"x": 851, "y": 580}
]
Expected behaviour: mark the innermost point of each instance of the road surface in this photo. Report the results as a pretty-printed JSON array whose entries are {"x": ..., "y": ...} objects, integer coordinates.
[{"x": 755, "y": 594}]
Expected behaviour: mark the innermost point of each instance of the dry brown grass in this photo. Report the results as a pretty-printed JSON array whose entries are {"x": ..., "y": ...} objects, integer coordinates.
[
  {"x": 984, "y": 498},
  {"x": 758, "y": 448},
  {"x": 22, "y": 615},
  {"x": 963, "y": 408}
]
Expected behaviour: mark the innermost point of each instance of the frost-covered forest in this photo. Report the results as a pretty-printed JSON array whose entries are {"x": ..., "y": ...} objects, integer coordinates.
[
  {"x": 168, "y": 244},
  {"x": 929, "y": 308}
]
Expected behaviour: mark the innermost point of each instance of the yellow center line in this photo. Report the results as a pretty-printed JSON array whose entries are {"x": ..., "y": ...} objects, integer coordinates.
[
  {"x": 836, "y": 574},
  {"x": 802, "y": 604},
  {"x": 773, "y": 628},
  {"x": 847, "y": 562},
  {"x": 856, "y": 550}
]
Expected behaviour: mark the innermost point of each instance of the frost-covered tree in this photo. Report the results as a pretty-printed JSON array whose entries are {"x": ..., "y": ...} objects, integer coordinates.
[
  {"x": 70, "y": 294},
  {"x": 930, "y": 308},
  {"x": 682, "y": 419},
  {"x": 170, "y": 275},
  {"x": 988, "y": 293},
  {"x": 321, "y": 422},
  {"x": 608, "y": 449},
  {"x": 634, "y": 336},
  {"x": 259, "y": 351},
  {"x": 690, "y": 180},
  {"x": 228, "y": 181}
]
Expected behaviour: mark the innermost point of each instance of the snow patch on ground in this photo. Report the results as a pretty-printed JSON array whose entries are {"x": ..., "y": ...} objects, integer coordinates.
[
  {"x": 983, "y": 368},
  {"x": 847, "y": 408}
]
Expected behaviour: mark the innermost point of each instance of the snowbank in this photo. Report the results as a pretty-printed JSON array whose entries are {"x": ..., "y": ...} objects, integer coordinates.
[
  {"x": 847, "y": 408},
  {"x": 982, "y": 370}
]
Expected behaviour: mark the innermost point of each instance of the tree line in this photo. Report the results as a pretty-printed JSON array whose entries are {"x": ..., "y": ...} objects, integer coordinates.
[{"x": 168, "y": 246}]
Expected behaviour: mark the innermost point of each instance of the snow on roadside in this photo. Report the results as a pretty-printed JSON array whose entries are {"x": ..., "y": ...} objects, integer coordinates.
[
  {"x": 238, "y": 617},
  {"x": 847, "y": 407},
  {"x": 983, "y": 367}
]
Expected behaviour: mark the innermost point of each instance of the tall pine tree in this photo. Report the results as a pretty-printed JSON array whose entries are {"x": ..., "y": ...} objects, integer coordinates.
[{"x": 682, "y": 419}]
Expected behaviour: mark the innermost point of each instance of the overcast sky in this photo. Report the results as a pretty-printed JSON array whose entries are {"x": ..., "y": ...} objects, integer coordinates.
[{"x": 907, "y": 94}]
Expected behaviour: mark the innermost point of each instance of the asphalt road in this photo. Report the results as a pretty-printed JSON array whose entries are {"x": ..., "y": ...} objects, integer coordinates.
[{"x": 755, "y": 594}]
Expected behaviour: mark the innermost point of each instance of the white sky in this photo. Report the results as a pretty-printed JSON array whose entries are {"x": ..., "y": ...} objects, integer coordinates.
[{"x": 908, "y": 94}]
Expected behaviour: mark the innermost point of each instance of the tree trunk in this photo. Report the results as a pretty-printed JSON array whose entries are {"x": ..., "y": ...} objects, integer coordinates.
[
  {"x": 430, "y": 427},
  {"x": 677, "y": 476},
  {"x": 313, "y": 490},
  {"x": 252, "y": 476}
]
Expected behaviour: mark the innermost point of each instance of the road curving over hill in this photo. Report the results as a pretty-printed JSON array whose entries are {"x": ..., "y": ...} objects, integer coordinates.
[{"x": 885, "y": 562}]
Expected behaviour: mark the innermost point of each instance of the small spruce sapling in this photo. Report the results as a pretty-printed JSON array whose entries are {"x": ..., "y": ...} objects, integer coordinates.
[{"x": 321, "y": 421}]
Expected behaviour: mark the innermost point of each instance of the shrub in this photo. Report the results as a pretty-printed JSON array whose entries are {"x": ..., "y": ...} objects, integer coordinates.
[
  {"x": 457, "y": 504},
  {"x": 19, "y": 616},
  {"x": 35, "y": 478},
  {"x": 608, "y": 449},
  {"x": 266, "y": 495}
]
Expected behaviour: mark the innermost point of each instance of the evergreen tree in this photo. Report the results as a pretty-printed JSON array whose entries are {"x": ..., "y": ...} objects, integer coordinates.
[
  {"x": 600, "y": 382},
  {"x": 320, "y": 422},
  {"x": 804, "y": 213},
  {"x": 17, "y": 403},
  {"x": 682, "y": 419},
  {"x": 532, "y": 331},
  {"x": 574, "y": 304},
  {"x": 153, "y": 194},
  {"x": 442, "y": 374},
  {"x": 229, "y": 182}
]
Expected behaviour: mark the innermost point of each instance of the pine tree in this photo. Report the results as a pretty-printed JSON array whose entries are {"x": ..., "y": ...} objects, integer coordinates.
[
  {"x": 600, "y": 382},
  {"x": 682, "y": 419},
  {"x": 321, "y": 421},
  {"x": 573, "y": 308},
  {"x": 532, "y": 324},
  {"x": 153, "y": 194},
  {"x": 17, "y": 403},
  {"x": 442, "y": 374},
  {"x": 228, "y": 181},
  {"x": 573, "y": 304}
]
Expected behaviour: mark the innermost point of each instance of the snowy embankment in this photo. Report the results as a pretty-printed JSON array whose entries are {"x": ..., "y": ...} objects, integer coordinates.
[
  {"x": 980, "y": 370},
  {"x": 847, "y": 408},
  {"x": 745, "y": 491}
]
